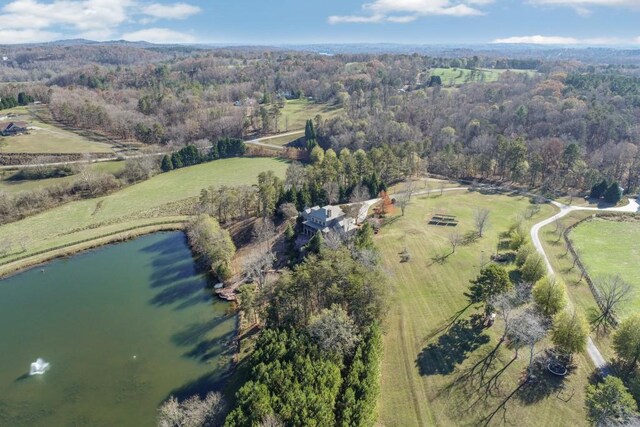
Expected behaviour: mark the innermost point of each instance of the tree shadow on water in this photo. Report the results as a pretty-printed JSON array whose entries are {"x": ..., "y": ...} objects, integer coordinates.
[
  {"x": 212, "y": 381},
  {"x": 167, "y": 246},
  {"x": 452, "y": 347},
  {"x": 180, "y": 292}
]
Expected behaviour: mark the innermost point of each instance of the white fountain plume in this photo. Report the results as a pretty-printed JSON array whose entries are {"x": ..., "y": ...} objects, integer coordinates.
[{"x": 39, "y": 367}]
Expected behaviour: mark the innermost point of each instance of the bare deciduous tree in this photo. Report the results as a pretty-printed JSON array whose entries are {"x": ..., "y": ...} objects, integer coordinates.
[
  {"x": 527, "y": 329},
  {"x": 333, "y": 191},
  {"x": 610, "y": 292},
  {"x": 359, "y": 194},
  {"x": 258, "y": 265},
  {"x": 455, "y": 239},
  {"x": 193, "y": 412},
  {"x": 481, "y": 220}
]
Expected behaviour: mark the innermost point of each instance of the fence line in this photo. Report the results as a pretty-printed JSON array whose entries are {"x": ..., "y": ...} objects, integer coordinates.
[{"x": 583, "y": 270}]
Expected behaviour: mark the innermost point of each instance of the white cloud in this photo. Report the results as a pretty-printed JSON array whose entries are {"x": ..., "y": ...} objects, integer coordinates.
[
  {"x": 26, "y": 36},
  {"x": 171, "y": 11},
  {"x": 556, "y": 40},
  {"x": 583, "y": 7},
  {"x": 537, "y": 40},
  {"x": 158, "y": 35},
  {"x": 636, "y": 40},
  {"x": 93, "y": 19},
  {"x": 410, "y": 10}
]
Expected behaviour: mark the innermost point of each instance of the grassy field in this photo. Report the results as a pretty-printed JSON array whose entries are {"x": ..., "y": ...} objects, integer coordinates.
[
  {"x": 9, "y": 186},
  {"x": 609, "y": 247},
  {"x": 44, "y": 138},
  {"x": 458, "y": 76},
  {"x": 157, "y": 199},
  {"x": 284, "y": 140},
  {"x": 296, "y": 112},
  {"x": 420, "y": 364}
]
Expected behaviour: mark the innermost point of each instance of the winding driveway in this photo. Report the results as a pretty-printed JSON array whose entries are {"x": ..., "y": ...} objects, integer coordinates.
[{"x": 632, "y": 207}]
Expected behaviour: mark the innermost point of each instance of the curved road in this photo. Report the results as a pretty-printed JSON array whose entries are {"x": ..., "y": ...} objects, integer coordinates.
[{"x": 632, "y": 207}]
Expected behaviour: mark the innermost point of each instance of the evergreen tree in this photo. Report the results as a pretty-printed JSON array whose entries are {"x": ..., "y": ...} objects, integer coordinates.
[
  {"x": 598, "y": 190},
  {"x": 316, "y": 243},
  {"x": 613, "y": 194},
  {"x": 176, "y": 161},
  {"x": 166, "y": 165}
]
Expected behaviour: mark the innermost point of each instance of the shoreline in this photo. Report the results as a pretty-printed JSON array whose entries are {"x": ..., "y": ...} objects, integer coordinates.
[{"x": 17, "y": 266}]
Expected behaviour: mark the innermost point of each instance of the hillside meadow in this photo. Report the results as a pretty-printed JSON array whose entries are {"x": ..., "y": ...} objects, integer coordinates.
[
  {"x": 156, "y": 200},
  {"x": 423, "y": 357}
]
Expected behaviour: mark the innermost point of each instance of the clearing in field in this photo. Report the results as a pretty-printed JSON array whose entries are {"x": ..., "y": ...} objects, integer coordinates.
[
  {"x": 611, "y": 247},
  {"x": 459, "y": 76},
  {"x": 8, "y": 185},
  {"x": 297, "y": 111},
  {"x": 422, "y": 357},
  {"x": 43, "y": 138},
  {"x": 161, "y": 198}
]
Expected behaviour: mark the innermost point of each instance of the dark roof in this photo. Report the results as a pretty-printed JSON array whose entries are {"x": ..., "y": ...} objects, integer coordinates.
[{"x": 6, "y": 125}]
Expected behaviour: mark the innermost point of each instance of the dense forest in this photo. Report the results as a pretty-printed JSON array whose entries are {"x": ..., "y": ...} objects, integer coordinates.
[{"x": 562, "y": 125}]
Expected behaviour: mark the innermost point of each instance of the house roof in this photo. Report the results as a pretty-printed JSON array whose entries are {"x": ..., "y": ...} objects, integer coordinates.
[
  {"x": 8, "y": 125},
  {"x": 325, "y": 213}
]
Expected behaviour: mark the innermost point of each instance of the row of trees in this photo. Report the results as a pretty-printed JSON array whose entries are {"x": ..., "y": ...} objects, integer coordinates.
[{"x": 192, "y": 155}]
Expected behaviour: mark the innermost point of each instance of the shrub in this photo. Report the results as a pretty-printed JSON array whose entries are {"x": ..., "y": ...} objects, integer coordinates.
[
  {"x": 534, "y": 268},
  {"x": 550, "y": 295},
  {"x": 523, "y": 254}
]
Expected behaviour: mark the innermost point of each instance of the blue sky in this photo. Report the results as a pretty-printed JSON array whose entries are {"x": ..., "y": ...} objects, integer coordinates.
[{"x": 567, "y": 22}]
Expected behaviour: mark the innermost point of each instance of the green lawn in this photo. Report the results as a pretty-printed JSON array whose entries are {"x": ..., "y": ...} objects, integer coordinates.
[
  {"x": 154, "y": 200},
  {"x": 609, "y": 247},
  {"x": 419, "y": 362},
  {"x": 9, "y": 186},
  {"x": 458, "y": 76},
  {"x": 296, "y": 112},
  {"x": 284, "y": 140},
  {"x": 44, "y": 138}
]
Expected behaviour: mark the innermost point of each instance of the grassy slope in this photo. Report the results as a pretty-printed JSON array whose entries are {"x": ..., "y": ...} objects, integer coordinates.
[
  {"x": 284, "y": 140},
  {"x": 297, "y": 111},
  {"x": 153, "y": 200},
  {"x": 603, "y": 244},
  {"x": 46, "y": 138},
  {"x": 426, "y": 294},
  {"x": 9, "y": 186},
  {"x": 458, "y": 76}
]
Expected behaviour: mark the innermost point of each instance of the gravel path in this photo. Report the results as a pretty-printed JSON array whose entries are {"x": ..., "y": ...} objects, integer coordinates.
[{"x": 632, "y": 207}]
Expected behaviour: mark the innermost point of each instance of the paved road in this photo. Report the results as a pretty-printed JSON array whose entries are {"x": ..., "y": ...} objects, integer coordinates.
[
  {"x": 259, "y": 141},
  {"x": 633, "y": 206}
]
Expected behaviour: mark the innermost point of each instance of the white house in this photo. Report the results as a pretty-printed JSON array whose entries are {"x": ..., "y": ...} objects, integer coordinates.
[{"x": 325, "y": 219}]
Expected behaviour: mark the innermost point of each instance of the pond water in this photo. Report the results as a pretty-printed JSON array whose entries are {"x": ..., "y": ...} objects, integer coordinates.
[{"x": 123, "y": 327}]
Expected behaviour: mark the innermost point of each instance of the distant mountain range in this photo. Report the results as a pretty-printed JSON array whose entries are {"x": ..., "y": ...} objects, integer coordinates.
[{"x": 612, "y": 54}]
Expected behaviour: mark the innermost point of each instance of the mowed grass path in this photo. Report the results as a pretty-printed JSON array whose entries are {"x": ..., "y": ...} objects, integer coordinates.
[
  {"x": 459, "y": 76},
  {"x": 611, "y": 248},
  {"x": 418, "y": 366},
  {"x": 43, "y": 138},
  {"x": 9, "y": 186},
  {"x": 296, "y": 112},
  {"x": 157, "y": 199}
]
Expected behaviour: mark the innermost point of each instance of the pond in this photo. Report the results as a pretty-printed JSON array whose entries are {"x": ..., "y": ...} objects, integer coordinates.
[{"x": 123, "y": 327}]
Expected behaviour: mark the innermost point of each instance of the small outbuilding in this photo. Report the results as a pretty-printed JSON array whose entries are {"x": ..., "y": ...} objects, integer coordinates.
[{"x": 12, "y": 128}]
